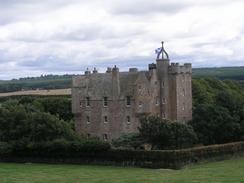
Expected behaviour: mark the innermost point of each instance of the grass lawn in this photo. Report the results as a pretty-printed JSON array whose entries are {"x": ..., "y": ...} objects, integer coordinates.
[{"x": 225, "y": 171}]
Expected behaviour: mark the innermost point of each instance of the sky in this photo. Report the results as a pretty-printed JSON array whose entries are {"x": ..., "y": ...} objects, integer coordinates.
[{"x": 68, "y": 36}]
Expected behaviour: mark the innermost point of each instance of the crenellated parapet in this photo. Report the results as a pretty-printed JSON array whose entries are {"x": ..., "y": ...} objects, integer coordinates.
[{"x": 176, "y": 68}]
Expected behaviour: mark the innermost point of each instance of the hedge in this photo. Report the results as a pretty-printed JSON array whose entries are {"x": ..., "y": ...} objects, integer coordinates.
[{"x": 174, "y": 159}]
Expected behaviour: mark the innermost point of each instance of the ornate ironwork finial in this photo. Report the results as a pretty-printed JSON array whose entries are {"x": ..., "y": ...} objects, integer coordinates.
[{"x": 162, "y": 52}]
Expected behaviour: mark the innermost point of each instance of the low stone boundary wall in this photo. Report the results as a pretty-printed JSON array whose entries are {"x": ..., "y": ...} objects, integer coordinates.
[{"x": 174, "y": 159}]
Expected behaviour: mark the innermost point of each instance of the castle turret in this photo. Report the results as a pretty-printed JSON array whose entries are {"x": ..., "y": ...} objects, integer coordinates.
[
  {"x": 162, "y": 73},
  {"x": 115, "y": 83}
]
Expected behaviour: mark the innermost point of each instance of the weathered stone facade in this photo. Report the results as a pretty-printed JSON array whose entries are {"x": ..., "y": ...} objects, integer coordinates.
[{"x": 108, "y": 104}]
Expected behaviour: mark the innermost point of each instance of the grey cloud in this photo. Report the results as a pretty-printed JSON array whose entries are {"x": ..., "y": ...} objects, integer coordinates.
[
  {"x": 142, "y": 7},
  {"x": 40, "y": 45},
  {"x": 54, "y": 64}
]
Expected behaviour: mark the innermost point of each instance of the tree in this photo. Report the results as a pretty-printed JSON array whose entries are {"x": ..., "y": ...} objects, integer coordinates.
[
  {"x": 128, "y": 141},
  {"x": 183, "y": 135},
  {"x": 166, "y": 134},
  {"x": 18, "y": 124},
  {"x": 231, "y": 100},
  {"x": 47, "y": 127},
  {"x": 13, "y": 123},
  {"x": 59, "y": 106},
  {"x": 214, "y": 124}
]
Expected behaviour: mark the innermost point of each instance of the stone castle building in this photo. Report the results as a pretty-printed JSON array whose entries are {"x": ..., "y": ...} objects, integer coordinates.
[{"x": 109, "y": 104}]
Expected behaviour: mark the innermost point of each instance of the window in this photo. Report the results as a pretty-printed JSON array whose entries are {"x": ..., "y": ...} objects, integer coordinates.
[
  {"x": 163, "y": 84},
  {"x": 128, "y": 100},
  {"x": 80, "y": 104},
  {"x": 157, "y": 100},
  {"x": 164, "y": 100},
  {"x": 87, "y": 119},
  {"x": 183, "y": 107},
  {"x": 88, "y": 135},
  {"x": 105, "y": 137},
  {"x": 140, "y": 103},
  {"x": 128, "y": 119},
  {"x": 105, "y": 101},
  {"x": 163, "y": 115},
  {"x": 183, "y": 79},
  {"x": 105, "y": 119},
  {"x": 183, "y": 92},
  {"x": 87, "y": 101}
]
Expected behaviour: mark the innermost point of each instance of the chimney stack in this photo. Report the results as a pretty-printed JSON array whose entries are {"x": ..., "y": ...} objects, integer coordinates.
[
  {"x": 87, "y": 72},
  {"x": 94, "y": 70},
  {"x": 115, "y": 83}
]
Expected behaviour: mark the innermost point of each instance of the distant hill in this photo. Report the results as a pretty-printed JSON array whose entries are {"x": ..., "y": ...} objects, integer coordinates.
[
  {"x": 64, "y": 81},
  {"x": 234, "y": 73},
  {"x": 42, "y": 82}
]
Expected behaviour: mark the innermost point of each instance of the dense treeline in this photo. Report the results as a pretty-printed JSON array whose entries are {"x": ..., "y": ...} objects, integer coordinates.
[
  {"x": 64, "y": 81},
  {"x": 218, "y": 113},
  {"x": 37, "y": 125},
  {"x": 59, "y": 106}
]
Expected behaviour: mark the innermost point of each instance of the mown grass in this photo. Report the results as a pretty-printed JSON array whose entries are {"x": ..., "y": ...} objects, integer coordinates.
[{"x": 224, "y": 171}]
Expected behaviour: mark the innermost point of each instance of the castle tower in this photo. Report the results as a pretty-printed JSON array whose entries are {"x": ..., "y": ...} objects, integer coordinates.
[{"x": 162, "y": 73}]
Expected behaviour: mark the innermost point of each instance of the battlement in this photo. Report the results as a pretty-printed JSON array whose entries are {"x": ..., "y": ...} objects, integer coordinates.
[
  {"x": 152, "y": 66},
  {"x": 133, "y": 70},
  {"x": 176, "y": 68}
]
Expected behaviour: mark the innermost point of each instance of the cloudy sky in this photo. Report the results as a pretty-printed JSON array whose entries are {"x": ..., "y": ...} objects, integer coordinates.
[{"x": 67, "y": 36}]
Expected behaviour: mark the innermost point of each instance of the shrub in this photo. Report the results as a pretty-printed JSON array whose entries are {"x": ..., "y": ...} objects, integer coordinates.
[
  {"x": 166, "y": 134},
  {"x": 5, "y": 149},
  {"x": 128, "y": 141}
]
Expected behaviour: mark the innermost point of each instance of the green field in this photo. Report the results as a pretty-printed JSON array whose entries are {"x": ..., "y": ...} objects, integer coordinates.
[{"x": 224, "y": 171}]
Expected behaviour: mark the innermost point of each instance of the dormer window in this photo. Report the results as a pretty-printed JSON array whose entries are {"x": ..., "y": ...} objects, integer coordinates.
[
  {"x": 128, "y": 100},
  {"x": 87, "y": 101},
  {"x": 105, "y": 101}
]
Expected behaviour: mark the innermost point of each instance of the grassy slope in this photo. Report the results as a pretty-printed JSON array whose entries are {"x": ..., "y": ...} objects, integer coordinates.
[{"x": 224, "y": 171}]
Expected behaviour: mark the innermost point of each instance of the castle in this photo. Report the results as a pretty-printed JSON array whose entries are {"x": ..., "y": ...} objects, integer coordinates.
[{"x": 109, "y": 104}]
